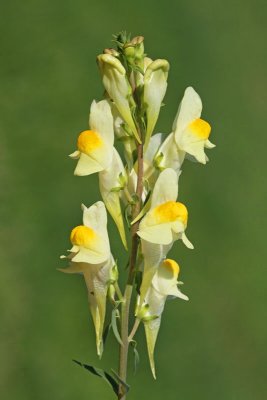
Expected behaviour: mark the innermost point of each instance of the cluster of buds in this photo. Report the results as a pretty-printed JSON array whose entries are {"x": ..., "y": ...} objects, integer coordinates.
[{"x": 139, "y": 187}]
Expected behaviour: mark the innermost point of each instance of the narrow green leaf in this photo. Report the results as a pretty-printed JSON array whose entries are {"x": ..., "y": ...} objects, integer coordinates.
[
  {"x": 114, "y": 316},
  {"x": 101, "y": 374},
  {"x": 124, "y": 384},
  {"x": 136, "y": 359},
  {"x": 126, "y": 216},
  {"x": 134, "y": 154},
  {"x": 136, "y": 68},
  {"x": 127, "y": 130},
  {"x": 138, "y": 280},
  {"x": 136, "y": 355}
]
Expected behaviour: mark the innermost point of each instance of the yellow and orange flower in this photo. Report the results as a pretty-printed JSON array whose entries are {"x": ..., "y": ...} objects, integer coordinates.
[
  {"x": 164, "y": 284},
  {"x": 96, "y": 153},
  {"x": 90, "y": 256},
  {"x": 190, "y": 135},
  {"x": 166, "y": 220}
]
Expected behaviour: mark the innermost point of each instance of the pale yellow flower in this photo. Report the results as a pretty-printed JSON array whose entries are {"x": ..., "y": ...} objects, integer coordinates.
[
  {"x": 96, "y": 153},
  {"x": 164, "y": 284},
  {"x": 95, "y": 145},
  {"x": 189, "y": 136},
  {"x": 166, "y": 220},
  {"x": 190, "y": 131},
  {"x": 164, "y": 223},
  {"x": 90, "y": 255}
]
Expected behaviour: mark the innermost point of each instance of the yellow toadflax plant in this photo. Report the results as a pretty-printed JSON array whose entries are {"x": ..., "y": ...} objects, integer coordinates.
[{"x": 140, "y": 192}]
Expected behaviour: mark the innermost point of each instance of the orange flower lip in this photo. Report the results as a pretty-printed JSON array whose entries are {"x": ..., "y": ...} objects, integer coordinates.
[
  {"x": 172, "y": 266},
  {"x": 89, "y": 141},
  {"x": 82, "y": 236},
  {"x": 200, "y": 128},
  {"x": 171, "y": 211}
]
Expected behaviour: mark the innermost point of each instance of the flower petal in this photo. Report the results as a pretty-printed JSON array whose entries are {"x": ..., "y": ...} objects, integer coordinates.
[
  {"x": 158, "y": 234},
  {"x": 151, "y": 332},
  {"x": 95, "y": 217},
  {"x": 193, "y": 145},
  {"x": 91, "y": 256},
  {"x": 92, "y": 144},
  {"x": 165, "y": 279},
  {"x": 153, "y": 256},
  {"x": 166, "y": 187},
  {"x": 191, "y": 132},
  {"x": 108, "y": 180},
  {"x": 186, "y": 241},
  {"x": 174, "y": 291},
  {"x": 164, "y": 223},
  {"x": 96, "y": 281},
  {"x": 189, "y": 110},
  {"x": 209, "y": 145},
  {"x": 173, "y": 157},
  {"x": 75, "y": 155},
  {"x": 101, "y": 121},
  {"x": 73, "y": 268},
  {"x": 156, "y": 304},
  {"x": 87, "y": 166}
]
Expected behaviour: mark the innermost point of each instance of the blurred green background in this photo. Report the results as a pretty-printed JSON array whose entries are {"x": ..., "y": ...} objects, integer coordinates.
[{"x": 213, "y": 347}]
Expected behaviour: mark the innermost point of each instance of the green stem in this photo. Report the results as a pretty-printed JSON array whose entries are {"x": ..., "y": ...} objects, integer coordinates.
[
  {"x": 124, "y": 337},
  {"x": 131, "y": 276}
]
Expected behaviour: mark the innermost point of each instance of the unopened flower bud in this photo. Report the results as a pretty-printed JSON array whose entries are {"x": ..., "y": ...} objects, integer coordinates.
[
  {"x": 111, "y": 51},
  {"x": 134, "y": 50},
  {"x": 138, "y": 41},
  {"x": 155, "y": 85},
  {"x": 116, "y": 84},
  {"x": 129, "y": 52}
]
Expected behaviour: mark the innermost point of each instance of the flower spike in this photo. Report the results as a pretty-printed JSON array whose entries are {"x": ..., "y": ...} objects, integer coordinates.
[{"x": 138, "y": 175}]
